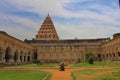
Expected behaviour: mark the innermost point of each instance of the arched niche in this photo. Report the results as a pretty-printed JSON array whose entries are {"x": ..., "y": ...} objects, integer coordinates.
[
  {"x": 28, "y": 57},
  {"x": 7, "y": 54},
  {"x": 21, "y": 52},
  {"x": 118, "y": 54},
  {"x": 16, "y": 56},
  {"x": 25, "y": 57}
]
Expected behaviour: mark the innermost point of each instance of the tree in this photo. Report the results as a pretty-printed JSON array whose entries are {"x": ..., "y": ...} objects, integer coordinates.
[{"x": 89, "y": 57}]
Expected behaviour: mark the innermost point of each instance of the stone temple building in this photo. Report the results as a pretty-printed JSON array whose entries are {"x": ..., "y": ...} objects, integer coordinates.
[{"x": 47, "y": 47}]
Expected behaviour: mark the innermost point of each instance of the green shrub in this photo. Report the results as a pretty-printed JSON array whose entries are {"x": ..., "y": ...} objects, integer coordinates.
[
  {"x": 36, "y": 61},
  {"x": 91, "y": 61},
  {"x": 89, "y": 57}
]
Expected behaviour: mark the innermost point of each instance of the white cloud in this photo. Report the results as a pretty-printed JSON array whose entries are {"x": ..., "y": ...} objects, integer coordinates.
[
  {"x": 55, "y": 8},
  {"x": 19, "y": 20},
  {"x": 19, "y": 27},
  {"x": 42, "y": 6},
  {"x": 87, "y": 29}
]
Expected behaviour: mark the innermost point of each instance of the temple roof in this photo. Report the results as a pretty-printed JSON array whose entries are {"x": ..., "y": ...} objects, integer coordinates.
[
  {"x": 68, "y": 41},
  {"x": 48, "y": 21},
  {"x": 47, "y": 30}
]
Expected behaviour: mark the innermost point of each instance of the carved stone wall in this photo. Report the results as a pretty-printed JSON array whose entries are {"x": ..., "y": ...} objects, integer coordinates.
[
  {"x": 66, "y": 50},
  {"x": 111, "y": 50},
  {"x": 14, "y": 51}
]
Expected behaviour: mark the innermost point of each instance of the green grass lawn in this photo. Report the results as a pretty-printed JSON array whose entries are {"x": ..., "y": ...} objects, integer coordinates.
[
  {"x": 103, "y": 74},
  {"x": 38, "y": 65},
  {"x": 86, "y": 72},
  {"x": 106, "y": 78},
  {"x": 95, "y": 64},
  {"x": 97, "y": 74},
  {"x": 115, "y": 76},
  {"x": 23, "y": 75}
]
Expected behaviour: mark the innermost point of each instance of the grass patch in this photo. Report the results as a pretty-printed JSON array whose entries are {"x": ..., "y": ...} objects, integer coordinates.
[
  {"x": 95, "y": 64},
  {"x": 86, "y": 72},
  {"x": 106, "y": 78},
  {"x": 114, "y": 76},
  {"x": 38, "y": 65},
  {"x": 73, "y": 76},
  {"x": 117, "y": 74},
  {"x": 22, "y": 75},
  {"x": 98, "y": 74}
]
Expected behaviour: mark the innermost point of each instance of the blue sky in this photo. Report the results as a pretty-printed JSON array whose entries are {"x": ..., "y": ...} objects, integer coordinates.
[{"x": 82, "y": 19}]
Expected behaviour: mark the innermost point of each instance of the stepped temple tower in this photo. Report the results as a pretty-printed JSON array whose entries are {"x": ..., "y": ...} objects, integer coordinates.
[{"x": 47, "y": 30}]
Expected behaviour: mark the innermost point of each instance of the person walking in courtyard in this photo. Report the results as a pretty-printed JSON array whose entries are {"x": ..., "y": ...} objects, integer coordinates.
[{"x": 62, "y": 66}]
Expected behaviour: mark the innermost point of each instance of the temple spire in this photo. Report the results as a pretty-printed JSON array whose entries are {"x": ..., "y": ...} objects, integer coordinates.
[
  {"x": 47, "y": 30},
  {"x": 48, "y": 21}
]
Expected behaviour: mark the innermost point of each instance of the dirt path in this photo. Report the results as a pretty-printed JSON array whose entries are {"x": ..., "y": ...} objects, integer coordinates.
[{"x": 60, "y": 75}]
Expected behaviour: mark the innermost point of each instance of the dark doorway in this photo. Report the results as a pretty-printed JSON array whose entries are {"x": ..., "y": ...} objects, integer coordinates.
[
  {"x": 119, "y": 54},
  {"x": 113, "y": 54},
  {"x": 78, "y": 60},
  {"x": 35, "y": 56},
  {"x": 99, "y": 55},
  {"x": 7, "y": 54},
  {"x": 16, "y": 56},
  {"x": 24, "y": 58},
  {"x": 28, "y": 59},
  {"x": 21, "y": 58}
]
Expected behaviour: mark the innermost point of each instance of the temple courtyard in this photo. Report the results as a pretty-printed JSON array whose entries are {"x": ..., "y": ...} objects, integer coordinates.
[{"x": 51, "y": 71}]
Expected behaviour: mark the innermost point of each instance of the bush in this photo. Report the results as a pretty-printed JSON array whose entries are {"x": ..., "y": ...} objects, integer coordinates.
[
  {"x": 89, "y": 57},
  {"x": 91, "y": 60},
  {"x": 36, "y": 61}
]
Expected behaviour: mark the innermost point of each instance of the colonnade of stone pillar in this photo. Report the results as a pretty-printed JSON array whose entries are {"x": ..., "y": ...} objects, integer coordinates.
[{"x": 11, "y": 58}]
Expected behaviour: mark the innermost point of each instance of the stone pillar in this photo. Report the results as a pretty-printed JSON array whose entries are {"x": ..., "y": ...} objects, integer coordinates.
[
  {"x": 25, "y": 58},
  {"x": 11, "y": 60},
  {"x": 22, "y": 59},
  {"x": 2, "y": 56},
  {"x": 31, "y": 58},
  {"x": 18, "y": 59}
]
